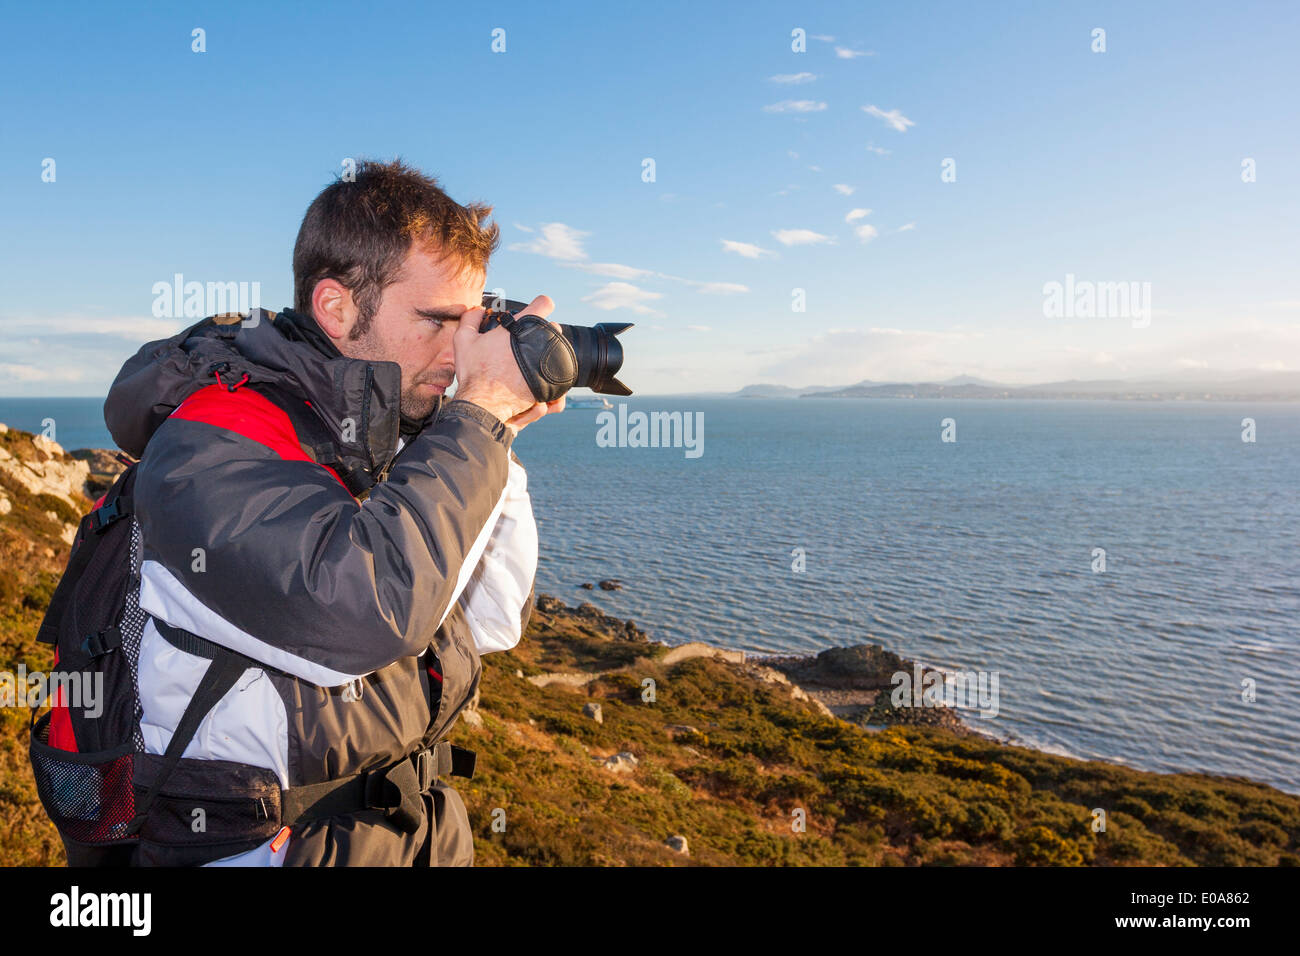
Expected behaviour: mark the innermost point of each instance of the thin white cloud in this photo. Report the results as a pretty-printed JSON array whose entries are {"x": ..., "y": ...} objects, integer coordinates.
[
  {"x": 709, "y": 288},
  {"x": 623, "y": 295},
  {"x": 799, "y": 237},
  {"x": 133, "y": 328},
  {"x": 613, "y": 270},
  {"x": 824, "y": 37},
  {"x": 795, "y": 106},
  {"x": 522, "y": 228},
  {"x": 563, "y": 243},
  {"x": 844, "y": 53},
  {"x": 722, "y": 288},
  {"x": 879, "y": 150},
  {"x": 866, "y": 232},
  {"x": 699, "y": 328},
  {"x": 907, "y": 228},
  {"x": 557, "y": 241},
  {"x": 789, "y": 79},
  {"x": 23, "y": 373},
  {"x": 844, "y": 190},
  {"x": 893, "y": 117},
  {"x": 746, "y": 249},
  {"x": 815, "y": 169},
  {"x": 856, "y": 214}
]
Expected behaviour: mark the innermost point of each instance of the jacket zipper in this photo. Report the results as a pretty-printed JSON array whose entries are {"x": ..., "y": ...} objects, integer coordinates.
[{"x": 383, "y": 472}]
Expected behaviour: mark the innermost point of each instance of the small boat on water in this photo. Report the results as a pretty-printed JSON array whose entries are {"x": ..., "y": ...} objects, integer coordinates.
[{"x": 596, "y": 401}]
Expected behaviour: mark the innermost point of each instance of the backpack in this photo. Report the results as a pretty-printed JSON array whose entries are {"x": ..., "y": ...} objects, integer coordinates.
[
  {"x": 85, "y": 749},
  {"x": 82, "y": 756},
  {"x": 93, "y": 776}
]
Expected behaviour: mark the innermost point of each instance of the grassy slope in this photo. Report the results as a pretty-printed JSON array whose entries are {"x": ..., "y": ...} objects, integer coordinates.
[
  {"x": 902, "y": 796},
  {"x": 32, "y": 557}
]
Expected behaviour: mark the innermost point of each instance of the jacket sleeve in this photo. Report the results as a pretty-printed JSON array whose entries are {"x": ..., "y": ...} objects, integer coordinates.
[
  {"x": 251, "y": 544},
  {"x": 500, "y": 589}
]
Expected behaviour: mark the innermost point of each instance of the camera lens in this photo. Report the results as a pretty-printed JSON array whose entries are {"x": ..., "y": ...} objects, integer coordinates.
[{"x": 597, "y": 348}]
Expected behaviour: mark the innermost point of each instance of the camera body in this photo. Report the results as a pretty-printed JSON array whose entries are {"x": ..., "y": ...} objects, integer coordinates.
[{"x": 555, "y": 359}]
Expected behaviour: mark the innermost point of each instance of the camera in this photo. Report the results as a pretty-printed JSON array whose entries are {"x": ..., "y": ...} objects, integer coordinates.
[{"x": 555, "y": 360}]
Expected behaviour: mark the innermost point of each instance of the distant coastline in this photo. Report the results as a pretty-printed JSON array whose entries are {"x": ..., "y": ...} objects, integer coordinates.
[{"x": 1265, "y": 387}]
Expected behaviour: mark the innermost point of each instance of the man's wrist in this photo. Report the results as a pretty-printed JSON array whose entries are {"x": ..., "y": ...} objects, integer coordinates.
[{"x": 465, "y": 408}]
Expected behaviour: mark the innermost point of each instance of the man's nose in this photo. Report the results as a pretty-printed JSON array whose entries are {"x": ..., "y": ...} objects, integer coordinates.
[{"x": 447, "y": 353}]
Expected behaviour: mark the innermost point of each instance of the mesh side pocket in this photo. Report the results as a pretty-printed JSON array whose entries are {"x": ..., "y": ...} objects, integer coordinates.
[{"x": 88, "y": 796}]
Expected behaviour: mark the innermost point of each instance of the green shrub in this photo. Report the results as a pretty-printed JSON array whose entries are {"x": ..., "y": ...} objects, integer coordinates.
[{"x": 1039, "y": 846}]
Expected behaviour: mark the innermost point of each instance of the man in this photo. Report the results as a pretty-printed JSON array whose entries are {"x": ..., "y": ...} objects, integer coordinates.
[{"x": 317, "y": 522}]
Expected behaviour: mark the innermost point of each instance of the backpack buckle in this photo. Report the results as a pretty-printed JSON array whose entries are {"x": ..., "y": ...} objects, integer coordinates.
[
  {"x": 395, "y": 790},
  {"x": 106, "y": 514},
  {"x": 101, "y": 642},
  {"x": 425, "y": 769}
]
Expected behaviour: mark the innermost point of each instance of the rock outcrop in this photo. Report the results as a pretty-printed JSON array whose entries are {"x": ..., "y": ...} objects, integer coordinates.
[
  {"x": 41, "y": 467},
  {"x": 104, "y": 467},
  {"x": 856, "y": 683}
]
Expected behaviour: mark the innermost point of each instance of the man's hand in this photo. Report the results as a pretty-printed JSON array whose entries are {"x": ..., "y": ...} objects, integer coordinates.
[{"x": 488, "y": 374}]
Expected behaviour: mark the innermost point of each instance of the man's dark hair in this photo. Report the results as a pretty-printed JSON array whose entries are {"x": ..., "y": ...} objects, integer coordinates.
[{"x": 358, "y": 232}]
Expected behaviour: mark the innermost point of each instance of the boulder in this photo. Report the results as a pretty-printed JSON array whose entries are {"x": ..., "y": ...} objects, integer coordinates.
[
  {"x": 592, "y": 709},
  {"x": 45, "y": 470},
  {"x": 623, "y": 762},
  {"x": 548, "y": 604},
  {"x": 860, "y": 667},
  {"x": 48, "y": 445},
  {"x": 104, "y": 468},
  {"x": 678, "y": 843}
]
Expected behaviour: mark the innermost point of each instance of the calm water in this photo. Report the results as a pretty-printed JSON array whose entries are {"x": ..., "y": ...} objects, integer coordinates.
[{"x": 968, "y": 555}]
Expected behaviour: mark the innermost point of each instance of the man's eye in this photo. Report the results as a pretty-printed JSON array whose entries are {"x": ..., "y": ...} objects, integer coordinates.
[{"x": 437, "y": 323}]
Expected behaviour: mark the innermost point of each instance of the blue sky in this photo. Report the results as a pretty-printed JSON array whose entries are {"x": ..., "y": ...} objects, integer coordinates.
[{"x": 1122, "y": 166}]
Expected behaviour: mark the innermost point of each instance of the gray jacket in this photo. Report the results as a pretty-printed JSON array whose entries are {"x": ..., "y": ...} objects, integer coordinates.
[{"x": 367, "y": 580}]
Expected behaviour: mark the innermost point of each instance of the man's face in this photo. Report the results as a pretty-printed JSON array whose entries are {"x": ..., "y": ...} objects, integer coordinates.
[{"x": 414, "y": 325}]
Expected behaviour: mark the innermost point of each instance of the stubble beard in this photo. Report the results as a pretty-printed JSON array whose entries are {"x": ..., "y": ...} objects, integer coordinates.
[{"x": 417, "y": 406}]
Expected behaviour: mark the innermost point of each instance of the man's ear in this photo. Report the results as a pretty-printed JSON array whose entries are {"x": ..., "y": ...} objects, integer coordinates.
[{"x": 333, "y": 309}]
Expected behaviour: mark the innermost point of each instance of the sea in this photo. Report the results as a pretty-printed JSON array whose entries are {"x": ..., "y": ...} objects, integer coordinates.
[{"x": 1129, "y": 571}]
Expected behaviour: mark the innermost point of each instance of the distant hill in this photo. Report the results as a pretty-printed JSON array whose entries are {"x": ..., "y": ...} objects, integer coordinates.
[
  {"x": 918, "y": 390},
  {"x": 778, "y": 391},
  {"x": 1192, "y": 386}
]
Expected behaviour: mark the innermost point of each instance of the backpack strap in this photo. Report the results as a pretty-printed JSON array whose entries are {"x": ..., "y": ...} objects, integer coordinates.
[
  {"x": 394, "y": 789},
  {"x": 117, "y": 504}
]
